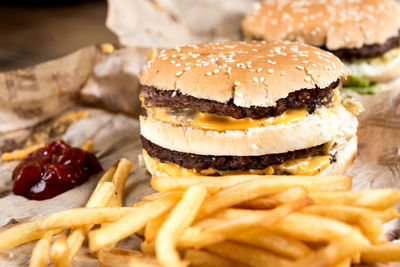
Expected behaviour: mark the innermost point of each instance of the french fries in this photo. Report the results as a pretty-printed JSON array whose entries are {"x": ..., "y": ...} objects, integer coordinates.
[
  {"x": 178, "y": 220},
  {"x": 131, "y": 223},
  {"x": 245, "y": 220},
  {"x": 39, "y": 253}
]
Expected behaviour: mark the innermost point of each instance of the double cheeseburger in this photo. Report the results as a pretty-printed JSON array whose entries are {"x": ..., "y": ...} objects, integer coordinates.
[
  {"x": 249, "y": 107},
  {"x": 362, "y": 33}
]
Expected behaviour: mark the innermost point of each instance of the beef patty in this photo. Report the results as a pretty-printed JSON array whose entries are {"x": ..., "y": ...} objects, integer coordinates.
[
  {"x": 311, "y": 98},
  {"x": 223, "y": 163},
  {"x": 366, "y": 51}
]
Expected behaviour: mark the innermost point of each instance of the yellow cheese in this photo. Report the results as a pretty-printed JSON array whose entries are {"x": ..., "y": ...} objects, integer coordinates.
[
  {"x": 206, "y": 121},
  {"x": 304, "y": 166}
]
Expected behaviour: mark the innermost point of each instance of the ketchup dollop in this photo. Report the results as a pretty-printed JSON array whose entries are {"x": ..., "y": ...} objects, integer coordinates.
[{"x": 52, "y": 170}]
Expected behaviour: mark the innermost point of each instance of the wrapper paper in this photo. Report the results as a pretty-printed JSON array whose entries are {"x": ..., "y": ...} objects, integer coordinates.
[{"x": 92, "y": 94}]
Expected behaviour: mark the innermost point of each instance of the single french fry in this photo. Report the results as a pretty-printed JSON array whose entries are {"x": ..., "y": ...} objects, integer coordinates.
[
  {"x": 201, "y": 258},
  {"x": 20, "y": 154},
  {"x": 21, "y": 233},
  {"x": 378, "y": 199},
  {"x": 119, "y": 179},
  {"x": 381, "y": 253},
  {"x": 132, "y": 222},
  {"x": 387, "y": 214},
  {"x": 148, "y": 248},
  {"x": 153, "y": 226},
  {"x": 344, "y": 263},
  {"x": 336, "y": 252},
  {"x": 369, "y": 223},
  {"x": 88, "y": 146},
  {"x": 59, "y": 251},
  {"x": 312, "y": 228},
  {"x": 277, "y": 183},
  {"x": 181, "y": 216},
  {"x": 41, "y": 251},
  {"x": 273, "y": 200},
  {"x": 125, "y": 258},
  {"x": 248, "y": 254},
  {"x": 274, "y": 242}
]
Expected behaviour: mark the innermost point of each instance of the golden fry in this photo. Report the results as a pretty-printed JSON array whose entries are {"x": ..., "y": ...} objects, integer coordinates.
[
  {"x": 248, "y": 254},
  {"x": 88, "y": 146},
  {"x": 153, "y": 227},
  {"x": 277, "y": 182},
  {"x": 381, "y": 253},
  {"x": 374, "y": 199},
  {"x": 148, "y": 248},
  {"x": 20, "y": 154},
  {"x": 369, "y": 223},
  {"x": 125, "y": 258},
  {"x": 202, "y": 258},
  {"x": 119, "y": 179},
  {"x": 131, "y": 223},
  {"x": 273, "y": 200},
  {"x": 274, "y": 242},
  {"x": 83, "y": 216},
  {"x": 312, "y": 228},
  {"x": 181, "y": 216},
  {"x": 59, "y": 251},
  {"x": 41, "y": 251}
]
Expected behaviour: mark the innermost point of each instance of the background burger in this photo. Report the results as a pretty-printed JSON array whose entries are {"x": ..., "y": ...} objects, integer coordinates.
[
  {"x": 364, "y": 34},
  {"x": 252, "y": 107}
]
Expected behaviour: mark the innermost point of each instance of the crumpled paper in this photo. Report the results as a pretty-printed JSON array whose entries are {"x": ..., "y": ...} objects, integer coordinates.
[{"x": 92, "y": 94}]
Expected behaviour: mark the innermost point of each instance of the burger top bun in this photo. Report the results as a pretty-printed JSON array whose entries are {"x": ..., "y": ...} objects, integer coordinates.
[
  {"x": 334, "y": 24},
  {"x": 256, "y": 73}
]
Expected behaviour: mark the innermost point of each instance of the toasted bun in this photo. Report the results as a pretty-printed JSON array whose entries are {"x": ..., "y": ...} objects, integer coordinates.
[
  {"x": 315, "y": 129},
  {"x": 331, "y": 23},
  {"x": 345, "y": 155},
  {"x": 250, "y": 73},
  {"x": 377, "y": 72}
]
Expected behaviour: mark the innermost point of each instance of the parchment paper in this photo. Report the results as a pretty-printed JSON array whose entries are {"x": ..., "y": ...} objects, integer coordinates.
[{"x": 92, "y": 94}]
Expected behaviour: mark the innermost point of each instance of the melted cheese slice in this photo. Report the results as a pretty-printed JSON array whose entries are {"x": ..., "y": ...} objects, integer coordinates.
[
  {"x": 305, "y": 166},
  {"x": 212, "y": 122}
]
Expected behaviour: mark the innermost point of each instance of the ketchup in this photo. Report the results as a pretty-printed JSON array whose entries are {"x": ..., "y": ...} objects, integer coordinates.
[{"x": 52, "y": 170}]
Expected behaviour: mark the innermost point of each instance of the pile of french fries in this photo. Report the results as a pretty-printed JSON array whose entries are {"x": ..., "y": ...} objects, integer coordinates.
[{"x": 244, "y": 220}]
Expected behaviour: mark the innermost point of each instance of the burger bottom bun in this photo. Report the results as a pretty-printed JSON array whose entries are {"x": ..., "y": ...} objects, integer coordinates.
[
  {"x": 314, "y": 130},
  {"x": 346, "y": 151},
  {"x": 345, "y": 154},
  {"x": 380, "y": 73}
]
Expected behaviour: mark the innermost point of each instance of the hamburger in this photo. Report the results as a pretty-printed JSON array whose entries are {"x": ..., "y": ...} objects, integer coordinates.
[
  {"x": 245, "y": 108},
  {"x": 364, "y": 34}
]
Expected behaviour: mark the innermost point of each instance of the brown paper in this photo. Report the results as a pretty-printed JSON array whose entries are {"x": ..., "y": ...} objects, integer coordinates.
[{"x": 93, "y": 95}]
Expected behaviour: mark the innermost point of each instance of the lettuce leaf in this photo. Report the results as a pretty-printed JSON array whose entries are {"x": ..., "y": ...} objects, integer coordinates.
[{"x": 360, "y": 85}]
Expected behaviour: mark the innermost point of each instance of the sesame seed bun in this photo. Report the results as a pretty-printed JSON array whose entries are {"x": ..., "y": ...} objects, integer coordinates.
[
  {"x": 333, "y": 24},
  {"x": 250, "y": 73}
]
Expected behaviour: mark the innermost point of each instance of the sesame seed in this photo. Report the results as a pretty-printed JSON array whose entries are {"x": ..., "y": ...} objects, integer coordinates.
[
  {"x": 216, "y": 70},
  {"x": 173, "y": 94},
  {"x": 187, "y": 68},
  {"x": 236, "y": 83},
  {"x": 270, "y": 71},
  {"x": 261, "y": 79},
  {"x": 308, "y": 79},
  {"x": 309, "y": 72},
  {"x": 179, "y": 73},
  {"x": 178, "y": 64},
  {"x": 255, "y": 79},
  {"x": 208, "y": 73},
  {"x": 172, "y": 61},
  {"x": 254, "y": 146},
  {"x": 300, "y": 67},
  {"x": 259, "y": 69}
]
